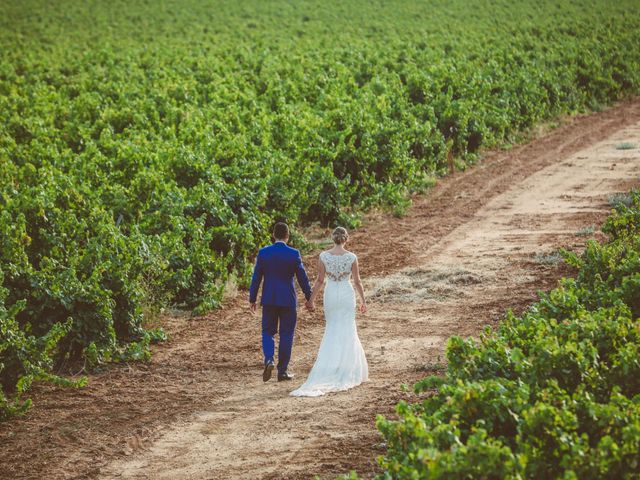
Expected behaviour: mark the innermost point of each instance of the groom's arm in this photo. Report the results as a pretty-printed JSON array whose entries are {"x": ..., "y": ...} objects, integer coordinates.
[
  {"x": 258, "y": 273},
  {"x": 303, "y": 280}
]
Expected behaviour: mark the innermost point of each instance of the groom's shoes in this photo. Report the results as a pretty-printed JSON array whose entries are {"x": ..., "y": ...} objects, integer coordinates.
[
  {"x": 285, "y": 376},
  {"x": 268, "y": 369}
]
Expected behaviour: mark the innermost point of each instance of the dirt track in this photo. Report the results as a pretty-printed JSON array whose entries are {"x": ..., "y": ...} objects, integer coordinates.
[{"x": 478, "y": 243}]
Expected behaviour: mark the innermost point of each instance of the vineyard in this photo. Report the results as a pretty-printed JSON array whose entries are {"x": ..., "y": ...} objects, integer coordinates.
[
  {"x": 552, "y": 393},
  {"x": 147, "y": 147}
]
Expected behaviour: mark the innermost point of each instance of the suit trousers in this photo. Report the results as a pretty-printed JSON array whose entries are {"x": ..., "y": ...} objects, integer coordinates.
[{"x": 272, "y": 318}]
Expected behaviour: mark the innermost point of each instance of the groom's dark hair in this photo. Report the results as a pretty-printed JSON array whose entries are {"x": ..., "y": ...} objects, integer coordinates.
[{"x": 280, "y": 231}]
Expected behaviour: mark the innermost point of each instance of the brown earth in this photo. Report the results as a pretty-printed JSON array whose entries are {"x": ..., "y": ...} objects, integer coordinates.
[{"x": 478, "y": 243}]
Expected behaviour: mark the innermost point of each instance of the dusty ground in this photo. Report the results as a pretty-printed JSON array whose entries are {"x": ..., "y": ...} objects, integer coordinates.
[{"x": 478, "y": 243}]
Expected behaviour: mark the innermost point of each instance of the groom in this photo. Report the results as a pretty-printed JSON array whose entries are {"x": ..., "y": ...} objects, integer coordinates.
[{"x": 278, "y": 264}]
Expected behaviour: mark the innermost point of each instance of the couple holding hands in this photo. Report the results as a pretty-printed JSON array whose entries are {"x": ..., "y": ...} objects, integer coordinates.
[{"x": 341, "y": 363}]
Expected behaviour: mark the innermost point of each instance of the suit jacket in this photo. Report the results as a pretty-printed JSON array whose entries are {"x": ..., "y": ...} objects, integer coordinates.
[{"x": 278, "y": 264}]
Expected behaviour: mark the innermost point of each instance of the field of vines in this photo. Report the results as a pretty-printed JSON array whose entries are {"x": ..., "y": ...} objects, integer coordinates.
[
  {"x": 146, "y": 147},
  {"x": 554, "y": 393}
]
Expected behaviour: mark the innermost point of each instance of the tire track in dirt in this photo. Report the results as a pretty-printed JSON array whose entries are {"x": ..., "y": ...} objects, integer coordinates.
[{"x": 479, "y": 242}]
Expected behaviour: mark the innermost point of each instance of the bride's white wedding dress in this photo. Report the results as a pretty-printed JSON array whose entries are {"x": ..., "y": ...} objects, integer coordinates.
[{"x": 341, "y": 363}]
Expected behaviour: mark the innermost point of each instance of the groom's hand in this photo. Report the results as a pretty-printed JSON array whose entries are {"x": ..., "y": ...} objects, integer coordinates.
[
  {"x": 310, "y": 306},
  {"x": 254, "y": 308}
]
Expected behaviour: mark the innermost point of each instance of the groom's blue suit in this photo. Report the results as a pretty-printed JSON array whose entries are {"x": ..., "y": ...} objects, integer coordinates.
[{"x": 278, "y": 264}]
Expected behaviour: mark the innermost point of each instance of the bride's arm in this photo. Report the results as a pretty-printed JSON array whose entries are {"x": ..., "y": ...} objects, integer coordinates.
[
  {"x": 355, "y": 271},
  {"x": 319, "y": 281}
]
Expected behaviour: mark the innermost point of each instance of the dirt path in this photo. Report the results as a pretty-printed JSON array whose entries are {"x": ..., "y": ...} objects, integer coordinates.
[{"x": 479, "y": 242}]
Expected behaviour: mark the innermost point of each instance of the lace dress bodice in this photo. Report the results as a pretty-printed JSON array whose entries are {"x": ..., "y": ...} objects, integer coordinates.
[{"x": 337, "y": 267}]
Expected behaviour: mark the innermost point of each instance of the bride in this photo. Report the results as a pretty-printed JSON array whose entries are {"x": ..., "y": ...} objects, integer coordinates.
[{"x": 341, "y": 363}]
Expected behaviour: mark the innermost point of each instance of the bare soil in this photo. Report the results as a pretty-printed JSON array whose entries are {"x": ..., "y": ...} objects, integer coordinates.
[{"x": 479, "y": 242}]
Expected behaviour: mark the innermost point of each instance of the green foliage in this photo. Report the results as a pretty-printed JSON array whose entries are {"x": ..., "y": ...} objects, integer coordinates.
[
  {"x": 146, "y": 148},
  {"x": 625, "y": 146},
  {"x": 553, "y": 393},
  {"x": 26, "y": 358}
]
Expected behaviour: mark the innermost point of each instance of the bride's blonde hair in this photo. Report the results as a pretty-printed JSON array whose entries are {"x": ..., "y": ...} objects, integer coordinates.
[{"x": 340, "y": 235}]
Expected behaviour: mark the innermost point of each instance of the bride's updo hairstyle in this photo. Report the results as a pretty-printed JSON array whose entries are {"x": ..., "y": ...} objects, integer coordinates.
[{"x": 340, "y": 235}]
